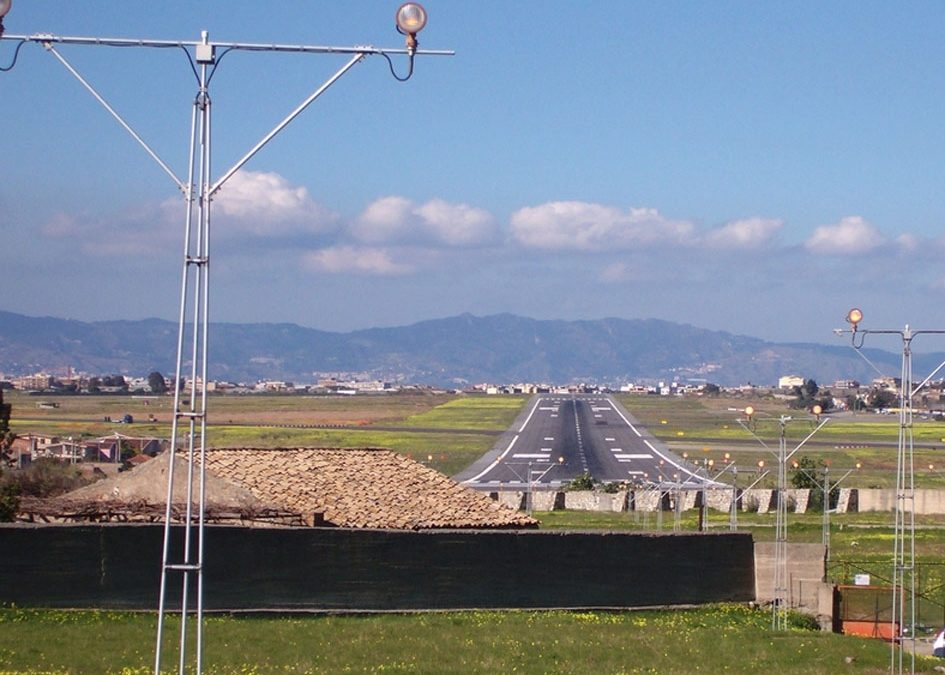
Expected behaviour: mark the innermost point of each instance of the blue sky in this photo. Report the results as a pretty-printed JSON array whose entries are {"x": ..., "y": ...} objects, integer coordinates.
[{"x": 751, "y": 167}]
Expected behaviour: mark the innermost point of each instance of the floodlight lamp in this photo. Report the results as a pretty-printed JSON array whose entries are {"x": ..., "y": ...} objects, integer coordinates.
[
  {"x": 411, "y": 17},
  {"x": 854, "y": 316}
]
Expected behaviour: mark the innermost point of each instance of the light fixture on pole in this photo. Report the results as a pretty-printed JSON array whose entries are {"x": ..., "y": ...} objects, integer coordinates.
[
  {"x": 411, "y": 17},
  {"x": 779, "y": 607},
  {"x": 903, "y": 575},
  {"x": 199, "y": 190}
]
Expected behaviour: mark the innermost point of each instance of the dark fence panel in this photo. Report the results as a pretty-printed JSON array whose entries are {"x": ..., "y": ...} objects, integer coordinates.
[{"x": 118, "y": 566}]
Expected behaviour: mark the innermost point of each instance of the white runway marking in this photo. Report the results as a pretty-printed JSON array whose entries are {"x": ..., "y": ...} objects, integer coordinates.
[
  {"x": 635, "y": 455},
  {"x": 529, "y": 455}
]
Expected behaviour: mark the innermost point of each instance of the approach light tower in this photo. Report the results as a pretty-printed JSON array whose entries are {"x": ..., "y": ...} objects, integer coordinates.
[
  {"x": 903, "y": 584},
  {"x": 189, "y": 426},
  {"x": 779, "y": 607}
]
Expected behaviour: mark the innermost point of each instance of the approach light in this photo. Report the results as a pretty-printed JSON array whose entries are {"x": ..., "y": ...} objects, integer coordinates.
[
  {"x": 859, "y": 465},
  {"x": 561, "y": 460},
  {"x": 411, "y": 17},
  {"x": 749, "y": 411},
  {"x": 854, "y": 316},
  {"x": 761, "y": 464}
]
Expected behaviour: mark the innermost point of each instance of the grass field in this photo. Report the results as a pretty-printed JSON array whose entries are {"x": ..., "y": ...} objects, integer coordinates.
[
  {"x": 715, "y": 639},
  {"x": 698, "y": 426}
]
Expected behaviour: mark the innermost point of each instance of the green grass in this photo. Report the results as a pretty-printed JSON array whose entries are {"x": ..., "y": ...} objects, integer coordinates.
[
  {"x": 471, "y": 412},
  {"x": 714, "y": 639}
]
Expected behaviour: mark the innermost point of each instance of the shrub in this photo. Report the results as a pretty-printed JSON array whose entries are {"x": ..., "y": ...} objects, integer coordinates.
[
  {"x": 582, "y": 482},
  {"x": 46, "y": 478}
]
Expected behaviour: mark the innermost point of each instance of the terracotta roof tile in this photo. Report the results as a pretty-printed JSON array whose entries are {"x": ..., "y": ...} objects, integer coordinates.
[{"x": 361, "y": 488}]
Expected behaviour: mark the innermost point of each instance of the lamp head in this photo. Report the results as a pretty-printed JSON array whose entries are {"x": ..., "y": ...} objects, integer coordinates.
[
  {"x": 5, "y": 6},
  {"x": 411, "y": 17},
  {"x": 749, "y": 411},
  {"x": 854, "y": 316}
]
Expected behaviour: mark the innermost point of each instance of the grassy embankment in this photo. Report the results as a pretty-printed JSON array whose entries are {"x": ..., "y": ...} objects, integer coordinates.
[{"x": 714, "y": 639}]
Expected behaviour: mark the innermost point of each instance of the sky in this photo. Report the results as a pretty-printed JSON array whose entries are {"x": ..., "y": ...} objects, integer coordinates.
[{"x": 757, "y": 168}]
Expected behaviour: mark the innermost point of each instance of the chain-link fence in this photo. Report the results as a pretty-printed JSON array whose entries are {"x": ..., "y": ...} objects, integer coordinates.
[{"x": 929, "y": 580}]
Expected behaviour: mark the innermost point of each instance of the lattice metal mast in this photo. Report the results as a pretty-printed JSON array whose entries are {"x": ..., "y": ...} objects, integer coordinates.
[
  {"x": 193, "y": 338},
  {"x": 903, "y": 575}
]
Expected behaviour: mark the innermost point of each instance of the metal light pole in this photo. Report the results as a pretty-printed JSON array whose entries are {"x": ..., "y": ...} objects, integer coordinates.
[
  {"x": 780, "y": 605},
  {"x": 827, "y": 487},
  {"x": 199, "y": 189},
  {"x": 903, "y": 586}
]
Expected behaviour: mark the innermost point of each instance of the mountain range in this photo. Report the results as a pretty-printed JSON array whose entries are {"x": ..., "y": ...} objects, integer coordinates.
[{"x": 501, "y": 348}]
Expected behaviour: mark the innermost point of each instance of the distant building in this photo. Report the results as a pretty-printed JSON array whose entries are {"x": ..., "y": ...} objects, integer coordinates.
[{"x": 790, "y": 381}]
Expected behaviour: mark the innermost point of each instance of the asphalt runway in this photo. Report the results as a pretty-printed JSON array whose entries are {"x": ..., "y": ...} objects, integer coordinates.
[{"x": 559, "y": 437}]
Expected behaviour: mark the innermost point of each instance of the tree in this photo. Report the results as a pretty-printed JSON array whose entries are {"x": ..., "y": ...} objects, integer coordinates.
[
  {"x": 882, "y": 398},
  {"x": 9, "y": 501},
  {"x": 808, "y": 475},
  {"x": 157, "y": 383}
]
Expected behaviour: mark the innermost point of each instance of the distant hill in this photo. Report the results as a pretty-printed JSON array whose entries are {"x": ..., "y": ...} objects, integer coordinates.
[{"x": 442, "y": 352}]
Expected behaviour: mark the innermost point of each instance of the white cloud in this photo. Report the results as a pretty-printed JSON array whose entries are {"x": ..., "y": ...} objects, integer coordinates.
[
  {"x": 456, "y": 224},
  {"x": 853, "y": 235},
  {"x": 354, "y": 260},
  {"x": 593, "y": 227},
  {"x": 747, "y": 233},
  {"x": 397, "y": 219},
  {"x": 265, "y": 204}
]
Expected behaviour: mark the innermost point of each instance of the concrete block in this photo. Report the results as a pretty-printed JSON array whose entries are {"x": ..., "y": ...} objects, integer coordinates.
[
  {"x": 847, "y": 500},
  {"x": 720, "y": 500},
  {"x": 590, "y": 500},
  {"x": 806, "y": 569},
  {"x": 513, "y": 499},
  {"x": 873, "y": 499},
  {"x": 547, "y": 500},
  {"x": 797, "y": 499},
  {"x": 650, "y": 500},
  {"x": 757, "y": 500}
]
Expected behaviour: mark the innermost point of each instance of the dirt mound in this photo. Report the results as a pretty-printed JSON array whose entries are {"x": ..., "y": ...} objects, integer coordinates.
[{"x": 147, "y": 484}]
